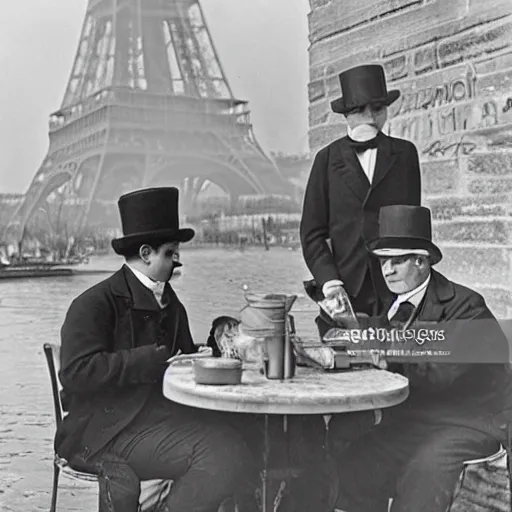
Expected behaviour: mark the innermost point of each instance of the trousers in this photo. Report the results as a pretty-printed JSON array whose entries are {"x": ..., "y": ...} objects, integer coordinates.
[
  {"x": 205, "y": 457},
  {"x": 414, "y": 462}
]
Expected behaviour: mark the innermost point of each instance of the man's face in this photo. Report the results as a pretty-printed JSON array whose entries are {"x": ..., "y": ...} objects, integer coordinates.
[
  {"x": 403, "y": 273},
  {"x": 374, "y": 115},
  {"x": 161, "y": 261}
]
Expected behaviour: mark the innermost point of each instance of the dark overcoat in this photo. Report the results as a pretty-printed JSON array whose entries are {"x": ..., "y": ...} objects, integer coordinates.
[
  {"x": 458, "y": 394},
  {"x": 340, "y": 205},
  {"x": 114, "y": 343}
]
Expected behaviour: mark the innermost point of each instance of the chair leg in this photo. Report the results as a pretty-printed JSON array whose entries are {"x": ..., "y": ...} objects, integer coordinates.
[{"x": 56, "y": 472}]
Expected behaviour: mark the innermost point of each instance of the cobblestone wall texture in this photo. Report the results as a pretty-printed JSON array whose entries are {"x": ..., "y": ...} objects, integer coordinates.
[{"x": 452, "y": 61}]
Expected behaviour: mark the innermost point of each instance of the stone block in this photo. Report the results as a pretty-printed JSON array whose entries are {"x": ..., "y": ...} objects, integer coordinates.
[
  {"x": 482, "y": 264},
  {"x": 492, "y": 230},
  {"x": 485, "y": 12},
  {"x": 451, "y": 207},
  {"x": 492, "y": 65},
  {"x": 441, "y": 177},
  {"x": 318, "y": 110},
  {"x": 490, "y": 164},
  {"x": 333, "y": 17},
  {"x": 481, "y": 40},
  {"x": 396, "y": 68},
  {"x": 498, "y": 299},
  {"x": 315, "y": 4},
  {"x": 425, "y": 59},
  {"x": 495, "y": 82},
  {"x": 316, "y": 90},
  {"x": 319, "y": 116},
  {"x": 333, "y": 87},
  {"x": 490, "y": 185}
]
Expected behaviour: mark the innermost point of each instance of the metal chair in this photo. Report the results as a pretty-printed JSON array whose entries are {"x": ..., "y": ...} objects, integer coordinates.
[{"x": 152, "y": 491}]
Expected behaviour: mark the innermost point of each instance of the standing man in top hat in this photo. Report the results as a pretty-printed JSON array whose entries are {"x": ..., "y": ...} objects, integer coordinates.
[
  {"x": 417, "y": 453},
  {"x": 116, "y": 339},
  {"x": 350, "y": 180}
]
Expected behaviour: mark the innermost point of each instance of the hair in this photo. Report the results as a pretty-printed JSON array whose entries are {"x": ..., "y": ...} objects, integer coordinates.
[
  {"x": 219, "y": 322},
  {"x": 133, "y": 251}
]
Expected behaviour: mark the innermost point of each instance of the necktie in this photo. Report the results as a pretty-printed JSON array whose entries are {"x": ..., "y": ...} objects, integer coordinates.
[
  {"x": 360, "y": 146},
  {"x": 158, "y": 292},
  {"x": 402, "y": 316}
]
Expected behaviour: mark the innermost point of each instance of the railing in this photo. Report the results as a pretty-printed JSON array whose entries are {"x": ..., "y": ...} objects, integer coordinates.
[{"x": 148, "y": 101}]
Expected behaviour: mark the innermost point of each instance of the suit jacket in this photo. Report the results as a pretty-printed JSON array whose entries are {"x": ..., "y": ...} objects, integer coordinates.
[
  {"x": 460, "y": 394},
  {"x": 111, "y": 361},
  {"x": 340, "y": 205}
]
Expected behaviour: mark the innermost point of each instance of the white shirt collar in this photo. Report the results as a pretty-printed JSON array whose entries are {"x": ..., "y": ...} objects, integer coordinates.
[
  {"x": 415, "y": 296},
  {"x": 144, "y": 279},
  {"x": 362, "y": 133}
]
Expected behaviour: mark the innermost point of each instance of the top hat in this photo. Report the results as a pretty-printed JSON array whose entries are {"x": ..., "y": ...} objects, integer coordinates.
[
  {"x": 363, "y": 85},
  {"x": 405, "y": 229},
  {"x": 150, "y": 214}
]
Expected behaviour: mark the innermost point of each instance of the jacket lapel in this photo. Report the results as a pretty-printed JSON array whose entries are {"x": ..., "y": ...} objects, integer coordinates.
[
  {"x": 439, "y": 291},
  {"x": 346, "y": 162},
  {"x": 125, "y": 284},
  {"x": 386, "y": 159}
]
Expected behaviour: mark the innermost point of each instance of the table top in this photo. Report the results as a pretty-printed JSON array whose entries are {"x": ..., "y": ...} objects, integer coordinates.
[{"x": 309, "y": 392}]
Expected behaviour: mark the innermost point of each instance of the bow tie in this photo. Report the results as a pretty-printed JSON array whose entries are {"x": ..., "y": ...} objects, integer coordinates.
[{"x": 360, "y": 146}]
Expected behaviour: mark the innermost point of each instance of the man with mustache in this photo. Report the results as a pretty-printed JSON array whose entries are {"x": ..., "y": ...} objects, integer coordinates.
[
  {"x": 116, "y": 339},
  {"x": 350, "y": 180}
]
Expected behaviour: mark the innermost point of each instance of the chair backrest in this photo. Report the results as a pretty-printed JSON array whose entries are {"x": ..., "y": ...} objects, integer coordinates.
[{"x": 52, "y": 354}]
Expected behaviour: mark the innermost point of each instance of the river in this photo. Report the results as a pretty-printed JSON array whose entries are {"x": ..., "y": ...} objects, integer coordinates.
[{"x": 31, "y": 313}]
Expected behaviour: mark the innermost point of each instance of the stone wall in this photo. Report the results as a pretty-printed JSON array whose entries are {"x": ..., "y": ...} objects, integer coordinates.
[{"x": 452, "y": 61}]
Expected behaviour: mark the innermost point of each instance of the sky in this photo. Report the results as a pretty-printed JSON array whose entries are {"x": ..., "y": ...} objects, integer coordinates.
[{"x": 262, "y": 44}]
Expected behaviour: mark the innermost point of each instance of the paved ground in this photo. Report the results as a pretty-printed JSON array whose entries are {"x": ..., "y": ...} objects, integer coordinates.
[{"x": 26, "y": 441}]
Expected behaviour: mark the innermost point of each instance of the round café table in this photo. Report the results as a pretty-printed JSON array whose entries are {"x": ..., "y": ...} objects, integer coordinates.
[{"x": 308, "y": 392}]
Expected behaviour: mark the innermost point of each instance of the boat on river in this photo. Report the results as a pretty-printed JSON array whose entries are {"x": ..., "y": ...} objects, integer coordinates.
[{"x": 32, "y": 269}]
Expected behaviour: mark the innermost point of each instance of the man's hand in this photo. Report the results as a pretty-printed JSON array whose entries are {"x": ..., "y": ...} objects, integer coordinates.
[{"x": 331, "y": 288}]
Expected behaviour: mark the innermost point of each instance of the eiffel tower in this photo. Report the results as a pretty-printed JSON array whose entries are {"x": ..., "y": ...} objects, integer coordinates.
[{"x": 147, "y": 104}]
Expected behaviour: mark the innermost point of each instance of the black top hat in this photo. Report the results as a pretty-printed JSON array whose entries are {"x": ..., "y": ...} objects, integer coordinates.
[
  {"x": 150, "y": 214},
  {"x": 363, "y": 85},
  {"x": 405, "y": 229}
]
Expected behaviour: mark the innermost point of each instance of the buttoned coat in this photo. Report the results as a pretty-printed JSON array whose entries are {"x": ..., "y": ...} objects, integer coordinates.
[
  {"x": 471, "y": 395},
  {"x": 341, "y": 205},
  {"x": 114, "y": 343}
]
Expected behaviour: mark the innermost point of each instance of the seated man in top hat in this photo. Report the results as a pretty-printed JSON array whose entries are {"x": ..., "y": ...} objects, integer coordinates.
[
  {"x": 416, "y": 454},
  {"x": 116, "y": 339},
  {"x": 350, "y": 180}
]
